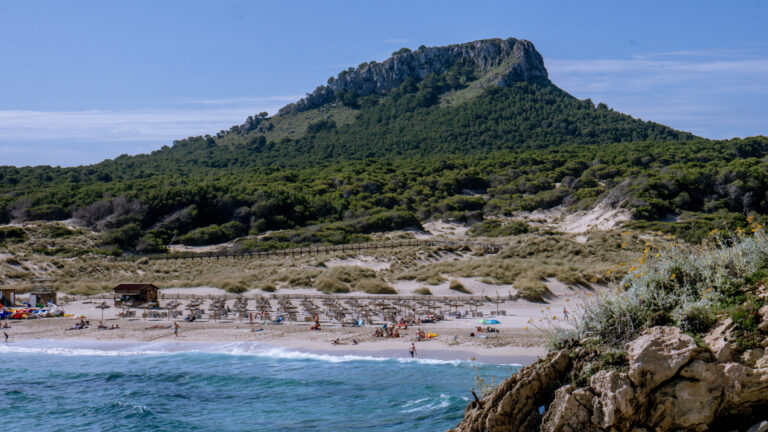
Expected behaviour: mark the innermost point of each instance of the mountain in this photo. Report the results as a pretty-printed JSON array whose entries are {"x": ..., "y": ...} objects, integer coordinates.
[{"x": 463, "y": 132}]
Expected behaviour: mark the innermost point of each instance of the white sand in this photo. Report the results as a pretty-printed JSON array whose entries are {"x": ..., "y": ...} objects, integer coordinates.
[{"x": 519, "y": 339}]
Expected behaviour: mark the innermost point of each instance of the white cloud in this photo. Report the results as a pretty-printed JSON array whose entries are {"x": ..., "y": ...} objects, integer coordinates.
[
  {"x": 713, "y": 93},
  {"x": 196, "y": 117}
]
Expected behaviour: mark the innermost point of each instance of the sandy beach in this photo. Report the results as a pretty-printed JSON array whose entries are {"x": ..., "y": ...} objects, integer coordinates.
[{"x": 518, "y": 339}]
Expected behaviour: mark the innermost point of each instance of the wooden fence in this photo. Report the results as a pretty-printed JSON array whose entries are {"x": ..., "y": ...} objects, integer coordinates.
[{"x": 318, "y": 250}]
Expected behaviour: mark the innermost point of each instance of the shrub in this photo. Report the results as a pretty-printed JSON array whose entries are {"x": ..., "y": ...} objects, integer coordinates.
[
  {"x": 349, "y": 274},
  {"x": 268, "y": 287},
  {"x": 213, "y": 234},
  {"x": 499, "y": 228},
  {"x": 422, "y": 291},
  {"x": 330, "y": 285},
  {"x": 531, "y": 288},
  {"x": 374, "y": 286},
  {"x": 234, "y": 287},
  {"x": 12, "y": 235},
  {"x": 695, "y": 318},
  {"x": 458, "y": 286}
]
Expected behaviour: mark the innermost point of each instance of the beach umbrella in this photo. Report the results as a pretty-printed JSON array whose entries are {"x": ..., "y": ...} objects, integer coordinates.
[{"x": 103, "y": 306}]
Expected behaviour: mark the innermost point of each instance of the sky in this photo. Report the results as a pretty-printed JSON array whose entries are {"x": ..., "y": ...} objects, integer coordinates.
[{"x": 86, "y": 80}]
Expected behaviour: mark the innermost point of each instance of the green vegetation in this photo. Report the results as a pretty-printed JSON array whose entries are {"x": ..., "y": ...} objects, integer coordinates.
[
  {"x": 12, "y": 234},
  {"x": 688, "y": 287},
  {"x": 499, "y": 228},
  {"x": 440, "y": 147}
]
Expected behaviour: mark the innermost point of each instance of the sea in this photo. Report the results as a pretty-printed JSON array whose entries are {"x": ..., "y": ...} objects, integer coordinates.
[{"x": 48, "y": 385}]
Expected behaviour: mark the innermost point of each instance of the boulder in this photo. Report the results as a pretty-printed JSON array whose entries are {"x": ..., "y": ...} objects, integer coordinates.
[
  {"x": 717, "y": 340},
  {"x": 570, "y": 411},
  {"x": 615, "y": 401},
  {"x": 658, "y": 354},
  {"x": 514, "y": 404}
]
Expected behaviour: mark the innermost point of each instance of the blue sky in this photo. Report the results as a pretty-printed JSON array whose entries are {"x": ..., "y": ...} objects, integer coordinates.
[{"x": 81, "y": 81}]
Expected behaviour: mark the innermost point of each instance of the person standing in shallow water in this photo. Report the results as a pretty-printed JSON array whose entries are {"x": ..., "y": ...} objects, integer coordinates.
[
  {"x": 412, "y": 351},
  {"x": 176, "y": 329},
  {"x": 6, "y": 337}
]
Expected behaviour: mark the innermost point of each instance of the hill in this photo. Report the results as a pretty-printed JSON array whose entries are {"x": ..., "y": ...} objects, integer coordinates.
[{"x": 466, "y": 132}]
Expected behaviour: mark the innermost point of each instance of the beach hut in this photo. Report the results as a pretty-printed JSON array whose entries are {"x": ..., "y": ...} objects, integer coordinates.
[
  {"x": 42, "y": 292},
  {"x": 7, "y": 297},
  {"x": 136, "y": 293}
]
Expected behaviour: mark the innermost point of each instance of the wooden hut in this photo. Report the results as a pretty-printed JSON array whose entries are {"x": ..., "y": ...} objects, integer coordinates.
[
  {"x": 42, "y": 292},
  {"x": 7, "y": 297},
  {"x": 135, "y": 293}
]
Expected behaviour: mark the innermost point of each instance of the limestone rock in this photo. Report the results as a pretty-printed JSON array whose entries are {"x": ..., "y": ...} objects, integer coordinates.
[
  {"x": 717, "y": 340},
  {"x": 569, "y": 411},
  {"x": 614, "y": 405},
  {"x": 504, "y": 61},
  {"x": 658, "y": 354},
  {"x": 514, "y": 404}
]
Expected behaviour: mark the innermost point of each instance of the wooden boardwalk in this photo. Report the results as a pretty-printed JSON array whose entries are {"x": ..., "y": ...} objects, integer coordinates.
[{"x": 319, "y": 250}]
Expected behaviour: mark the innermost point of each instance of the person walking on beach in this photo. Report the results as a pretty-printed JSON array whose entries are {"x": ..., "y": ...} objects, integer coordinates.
[
  {"x": 6, "y": 337},
  {"x": 565, "y": 314},
  {"x": 176, "y": 329},
  {"x": 412, "y": 351}
]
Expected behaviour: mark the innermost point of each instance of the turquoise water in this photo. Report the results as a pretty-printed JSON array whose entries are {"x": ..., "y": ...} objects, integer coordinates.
[{"x": 47, "y": 385}]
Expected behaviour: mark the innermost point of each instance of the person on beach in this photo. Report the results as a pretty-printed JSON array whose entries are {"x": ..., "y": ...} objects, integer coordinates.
[
  {"x": 412, "y": 351},
  {"x": 176, "y": 329},
  {"x": 6, "y": 337},
  {"x": 565, "y": 314}
]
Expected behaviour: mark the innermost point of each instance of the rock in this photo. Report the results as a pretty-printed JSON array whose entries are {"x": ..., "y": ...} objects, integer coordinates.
[
  {"x": 505, "y": 61},
  {"x": 683, "y": 405},
  {"x": 569, "y": 411},
  {"x": 514, "y": 404},
  {"x": 658, "y": 354},
  {"x": 615, "y": 402},
  {"x": 717, "y": 340},
  {"x": 671, "y": 385}
]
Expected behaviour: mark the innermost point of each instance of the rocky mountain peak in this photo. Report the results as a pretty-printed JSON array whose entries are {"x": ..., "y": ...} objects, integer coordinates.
[{"x": 499, "y": 61}]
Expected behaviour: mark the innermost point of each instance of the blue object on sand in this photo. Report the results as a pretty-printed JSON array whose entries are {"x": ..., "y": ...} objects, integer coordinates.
[{"x": 492, "y": 321}]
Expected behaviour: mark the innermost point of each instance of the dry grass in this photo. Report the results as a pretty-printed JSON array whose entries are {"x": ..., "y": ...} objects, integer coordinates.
[
  {"x": 527, "y": 259},
  {"x": 458, "y": 286},
  {"x": 374, "y": 286},
  {"x": 422, "y": 291},
  {"x": 330, "y": 285},
  {"x": 532, "y": 288}
]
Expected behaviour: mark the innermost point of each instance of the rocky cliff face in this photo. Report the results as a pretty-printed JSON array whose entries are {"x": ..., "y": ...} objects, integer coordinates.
[
  {"x": 502, "y": 61},
  {"x": 670, "y": 384}
]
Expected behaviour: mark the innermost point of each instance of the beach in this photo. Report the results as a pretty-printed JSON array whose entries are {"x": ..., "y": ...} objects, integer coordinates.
[{"x": 517, "y": 338}]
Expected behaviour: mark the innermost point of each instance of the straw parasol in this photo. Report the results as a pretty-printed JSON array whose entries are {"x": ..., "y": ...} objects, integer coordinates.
[{"x": 103, "y": 306}]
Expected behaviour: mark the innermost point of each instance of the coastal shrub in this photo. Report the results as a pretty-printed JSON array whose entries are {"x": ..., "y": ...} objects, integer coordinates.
[
  {"x": 330, "y": 285},
  {"x": 374, "y": 286},
  {"x": 695, "y": 318},
  {"x": 458, "y": 286},
  {"x": 12, "y": 235},
  {"x": 422, "y": 291},
  {"x": 267, "y": 287},
  {"x": 234, "y": 287},
  {"x": 684, "y": 286},
  {"x": 531, "y": 288},
  {"x": 350, "y": 274},
  {"x": 213, "y": 234},
  {"x": 499, "y": 228}
]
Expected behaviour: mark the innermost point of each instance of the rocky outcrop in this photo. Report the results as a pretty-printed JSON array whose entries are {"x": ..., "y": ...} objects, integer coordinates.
[
  {"x": 502, "y": 62},
  {"x": 514, "y": 404},
  {"x": 669, "y": 384}
]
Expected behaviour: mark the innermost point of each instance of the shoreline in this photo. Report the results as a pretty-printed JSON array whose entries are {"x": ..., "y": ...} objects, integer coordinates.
[{"x": 108, "y": 347}]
